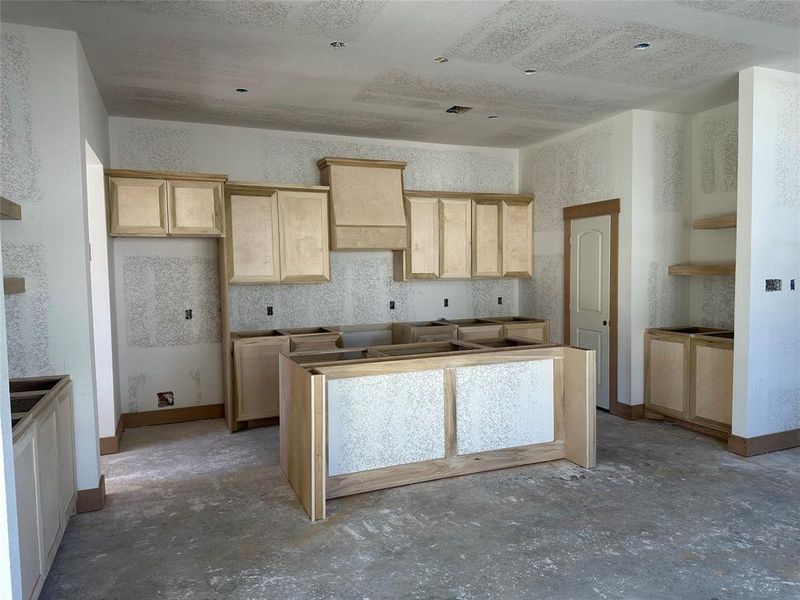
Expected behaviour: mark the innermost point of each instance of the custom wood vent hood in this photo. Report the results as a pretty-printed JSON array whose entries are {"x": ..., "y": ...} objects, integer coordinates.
[{"x": 367, "y": 210}]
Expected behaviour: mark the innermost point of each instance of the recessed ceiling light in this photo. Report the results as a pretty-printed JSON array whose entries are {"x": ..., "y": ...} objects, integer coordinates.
[
  {"x": 493, "y": 117},
  {"x": 242, "y": 90},
  {"x": 338, "y": 44},
  {"x": 642, "y": 45},
  {"x": 529, "y": 71},
  {"x": 440, "y": 59}
]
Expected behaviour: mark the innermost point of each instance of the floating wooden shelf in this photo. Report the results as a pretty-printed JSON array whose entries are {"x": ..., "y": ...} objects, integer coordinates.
[
  {"x": 689, "y": 269},
  {"x": 10, "y": 211},
  {"x": 720, "y": 222},
  {"x": 13, "y": 285}
]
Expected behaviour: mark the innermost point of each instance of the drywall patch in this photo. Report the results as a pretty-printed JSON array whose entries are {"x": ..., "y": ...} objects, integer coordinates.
[
  {"x": 26, "y": 314},
  {"x": 718, "y": 302},
  {"x": 158, "y": 148},
  {"x": 719, "y": 154},
  {"x": 158, "y": 289},
  {"x": 670, "y": 185},
  {"x": 19, "y": 158},
  {"x": 134, "y": 383},
  {"x": 787, "y": 161}
]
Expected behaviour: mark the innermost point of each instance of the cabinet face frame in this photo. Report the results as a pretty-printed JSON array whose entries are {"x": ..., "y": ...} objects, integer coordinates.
[
  {"x": 478, "y": 244},
  {"x": 271, "y": 198},
  {"x": 427, "y": 210},
  {"x": 115, "y": 227},
  {"x": 510, "y": 241},
  {"x": 288, "y": 268},
  {"x": 216, "y": 230},
  {"x": 446, "y": 250}
]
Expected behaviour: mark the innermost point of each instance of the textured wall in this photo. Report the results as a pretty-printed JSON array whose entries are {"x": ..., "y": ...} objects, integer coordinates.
[
  {"x": 767, "y": 349},
  {"x": 714, "y": 178},
  {"x": 361, "y": 283},
  {"x": 385, "y": 420},
  {"x": 48, "y": 110},
  {"x": 517, "y": 413},
  {"x": 587, "y": 165}
]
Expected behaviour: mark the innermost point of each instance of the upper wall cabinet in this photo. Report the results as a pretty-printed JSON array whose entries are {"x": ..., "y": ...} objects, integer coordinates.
[
  {"x": 366, "y": 203},
  {"x": 458, "y": 236},
  {"x": 517, "y": 238},
  {"x": 276, "y": 233},
  {"x": 146, "y": 203}
]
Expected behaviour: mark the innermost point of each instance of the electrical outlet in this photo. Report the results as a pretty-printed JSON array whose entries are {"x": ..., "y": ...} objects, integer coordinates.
[
  {"x": 269, "y": 311},
  {"x": 499, "y": 299},
  {"x": 391, "y": 304},
  {"x": 446, "y": 302},
  {"x": 188, "y": 314},
  {"x": 773, "y": 285},
  {"x": 791, "y": 285}
]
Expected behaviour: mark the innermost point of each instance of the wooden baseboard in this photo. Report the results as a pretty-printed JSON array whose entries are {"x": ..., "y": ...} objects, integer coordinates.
[
  {"x": 110, "y": 445},
  {"x": 173, "y": 415},
  {"x": 252, "y": 423},
  {"x": 709, "y": 431},
  {"x": 764, "y": 443},
  {"x": 626, "y": 411},
  {"x": 93, "y": 498}
]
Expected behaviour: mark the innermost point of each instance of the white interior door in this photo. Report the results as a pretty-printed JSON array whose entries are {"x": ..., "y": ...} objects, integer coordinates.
[{"x": 590, "y": 296}]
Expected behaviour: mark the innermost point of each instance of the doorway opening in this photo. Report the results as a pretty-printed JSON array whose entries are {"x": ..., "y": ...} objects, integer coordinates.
[
  {"x": 591, "y": 281},
  {"x": 108, "y": 409}
]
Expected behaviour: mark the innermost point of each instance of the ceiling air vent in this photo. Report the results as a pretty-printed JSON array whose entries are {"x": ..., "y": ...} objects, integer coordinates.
[{"x": 458, "y": 110}]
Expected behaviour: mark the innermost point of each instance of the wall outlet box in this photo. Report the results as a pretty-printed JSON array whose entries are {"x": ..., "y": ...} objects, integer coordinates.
[
  {"x": 188, "y": 314},
  {"x": 269, "y": 311},
  {"x": 446, "y": 302},
  {"x": 773, "y": 285},
  {"x": 499, "y": 299},
  {"x": 391, "y": 304}
]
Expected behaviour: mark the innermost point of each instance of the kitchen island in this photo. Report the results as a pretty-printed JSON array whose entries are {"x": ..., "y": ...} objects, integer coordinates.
[{"x": 357, "y": 425}]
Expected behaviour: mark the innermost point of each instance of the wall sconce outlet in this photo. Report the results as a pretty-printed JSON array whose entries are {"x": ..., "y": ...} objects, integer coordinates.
[{"x": 269, "y": 311}]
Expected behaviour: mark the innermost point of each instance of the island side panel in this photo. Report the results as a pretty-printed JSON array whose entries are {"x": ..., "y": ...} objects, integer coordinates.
[
  {"x": 580, "y": 390},
  {"x": 504, "y": 405},
  {"x": 385, "y": 420},
  {"x": 302, "y": 448}
]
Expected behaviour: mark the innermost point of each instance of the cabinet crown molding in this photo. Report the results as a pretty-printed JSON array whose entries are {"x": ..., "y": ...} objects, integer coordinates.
[
  {"x": 165, "y": 175},
  {"x": 360, "y": 162}
]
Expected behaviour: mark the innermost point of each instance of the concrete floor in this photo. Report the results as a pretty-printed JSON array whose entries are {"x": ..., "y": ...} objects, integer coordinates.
[{"x": 196, "y": 513}]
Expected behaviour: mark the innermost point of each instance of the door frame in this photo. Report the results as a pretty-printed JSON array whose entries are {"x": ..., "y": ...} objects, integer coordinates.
[{"x": 597, "y": 209}]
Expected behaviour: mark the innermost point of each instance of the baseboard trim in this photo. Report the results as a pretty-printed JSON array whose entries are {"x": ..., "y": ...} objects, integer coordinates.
[
  {"x": 92, "y": 499},
  {"x": 762, "y": 444},
  {"x": 626, "y": 411},
  {"x": 110, "y": 445},
  {"x": 173, "y": 415}
]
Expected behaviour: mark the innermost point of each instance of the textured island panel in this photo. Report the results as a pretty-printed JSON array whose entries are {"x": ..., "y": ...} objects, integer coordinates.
[
  {"x": 503, "y": 406},
  {"x": 384, "y": 420}
]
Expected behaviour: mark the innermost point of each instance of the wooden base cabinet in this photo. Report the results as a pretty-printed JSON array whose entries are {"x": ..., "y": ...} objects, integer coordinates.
[
  {"x": 255, "y": 366},
  {"x": 44, "y": 469},
  {"x": 689, "y": 375}
]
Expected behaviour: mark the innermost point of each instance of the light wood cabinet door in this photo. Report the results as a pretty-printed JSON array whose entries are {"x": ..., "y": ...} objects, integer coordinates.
[
  {"x": 255, "y": 362},
  {"x": 517, "y": 238},
  {"x": 303, "y": 232},
  {"x": 137, "y": 207},
  {"x": 422, "y": 261},
  {"x": 195, "y": 208},
  {"x": 455, "y": 238},
  {"x": 252, "y": 238},
  {"x": 47, "y": 477},
  {"x": 712, "y": 383},
  {"x": 27, "y": 512},
  {"x": 66, "y": 453},
  {"x": 666, "y": 365},
  {"x": 486, "y": 238}
]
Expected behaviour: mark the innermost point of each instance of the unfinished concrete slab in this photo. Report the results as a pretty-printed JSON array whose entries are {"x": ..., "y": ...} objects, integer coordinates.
[{"x": 196, "y": 513}]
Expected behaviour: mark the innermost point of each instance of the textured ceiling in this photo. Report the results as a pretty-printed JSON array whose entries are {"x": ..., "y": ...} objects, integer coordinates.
[{"x": 182, "y": 60}]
